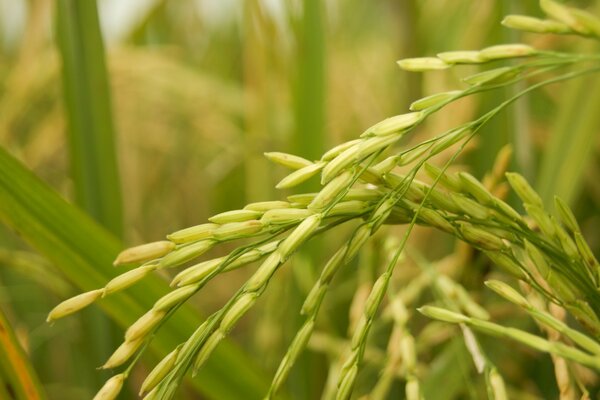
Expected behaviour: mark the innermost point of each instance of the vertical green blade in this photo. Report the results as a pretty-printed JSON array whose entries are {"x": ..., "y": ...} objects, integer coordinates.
[
  {"x": 309, "y": 86},
  {"x": 16, "y": 372},
  {"x": 88, "y": 111}
]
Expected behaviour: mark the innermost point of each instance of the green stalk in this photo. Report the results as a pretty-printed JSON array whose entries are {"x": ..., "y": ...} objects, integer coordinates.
[
  {"x": 88, "y": 111},
  {"x": 84, "y": 252},
  {"x": 309, "y": 85},
  {"x": 16, "y": 372},
  {"x": 91, "y": 140}
]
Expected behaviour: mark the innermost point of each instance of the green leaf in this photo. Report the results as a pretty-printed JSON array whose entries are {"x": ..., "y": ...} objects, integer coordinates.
[
  {"x": 88, "y": 111},
  {"x": 91, "y": 137},
  {"x": 16, "y": 371},
  {"x": 84, "y": 251}
]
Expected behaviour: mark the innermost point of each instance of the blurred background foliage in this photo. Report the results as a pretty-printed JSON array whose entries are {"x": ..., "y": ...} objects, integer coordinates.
[{"x": 197, "y": 91}]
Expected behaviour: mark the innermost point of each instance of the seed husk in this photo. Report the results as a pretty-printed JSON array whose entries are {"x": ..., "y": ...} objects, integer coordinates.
[
  {"x": 501, "y": 51},
  {"x": 74, "y": 304},
  {"x": 461, "y": 57},
  {"x": 186, "y": 253},
  {"x": 299, "y": 176},
  {"x": 287, "y": 160},
  {"x": 192, "y": 234},
  {"x": 531, "y": 24},
  {"x": 434, "y": 100},
  {"x": 123, "y": 353},
  {"x": 159, "y": 372},
  {"x": 144, "y": 252},
  {"x": 423, "y": 64},
  {"x": 111, "y": 388},
  {"x": 235, "y": 216}
]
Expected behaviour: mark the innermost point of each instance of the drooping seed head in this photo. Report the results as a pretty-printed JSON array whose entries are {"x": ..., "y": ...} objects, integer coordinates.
[
  {"x": 333, "y": 265},
  {"x": 434, "y": 100},
  {"x": 209, "y": 346},
  {"x": 423, "y": 64},
  {"x": 412, "y": 155},
  {"x": 470, "y": 207},
  {"x": 440, "y": 200},
  {"x": 507, "y": 263},
  {"x": 396, "y": 124},
  {"x": 449, "y": 139},
  {"x": 123, "y": 353},
  {"x": 507, "y": 292},
  {"x": 475, "y": 188},
  {"x": 169, "y": 300},
  {"x": 542, "y": 219},
  {"x": 537, "y": 258},
  {"x": 523, "y": 189},
  {"x": 331, "y": 190},
  {"x": 435, "y": 219},
  {"x": 186, "y": 253},
  {"x": 236, "y": 230},
  {"x": 560, "y": 13},
  {"x": 289, "y": 360},
  {"x": 192, "y": 234},
  {"x": 111, "y": 388},
  {"x": 413, "y": 389},
  {"x": 566, "y": 215},
  {"x": 74, "y": 304},
  {"x": 492, "y": 76},
  {"x": 531, "y": 24},
  {"x": 382, "y": 212},
  {"x": 340, "y": 162},
  {"x": 507, "y": 210},
  {"x": 461, "y": 57},
  {"x": 299, "y": 235},
  {"x": 159, "y": 372},
  {"x": 376, "y": 143},
  {"x": 502, "y": 51},
  {"x": 481, "y": 238},
  {"x": 144, "y": 325},
  {"x": 360, "y": 236},
  {"x": 301, "y": 199},
  {"x": 376, "y": 295},
  {"x": 337, "y": 150},
  {"x": 287, "y": 160},
  {"x": 443, "y": 314},
  {"x": 264, "y": 272},
  {"x": 128, "y": 279},
  {"x": 407, "y": 347},
  {"x": 196, "y": 272},
  {"x": 144, "y": 252},
  {"x": 263, "y": 206},
  {"x": 285, "y": 216},
  {"x": 585, "y": 22},
  {"x": 237, "y": 310},
  {"x": 497, "y": 385},
  {"x": 386, "y": 165},
  {"x": 299, "y": 176},
  {"x": 586, "y": 253},
  {"x": 449, "y": 181},
  {"x": 352, "y": 207},
  {"x": 363, "y": 194},
  {"x": 235, "y": 216},
  {"x": 314, "y": 298},
  {"x": 347, "y": 384}
]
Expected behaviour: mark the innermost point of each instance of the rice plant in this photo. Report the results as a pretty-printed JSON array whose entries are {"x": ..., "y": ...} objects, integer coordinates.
[
  {"x": 409, "y": 261},
  {"x": 370, "y": 183}
]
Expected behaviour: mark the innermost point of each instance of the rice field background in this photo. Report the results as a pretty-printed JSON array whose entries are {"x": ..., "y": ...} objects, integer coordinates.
[{"x": 122, "y": 122}]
